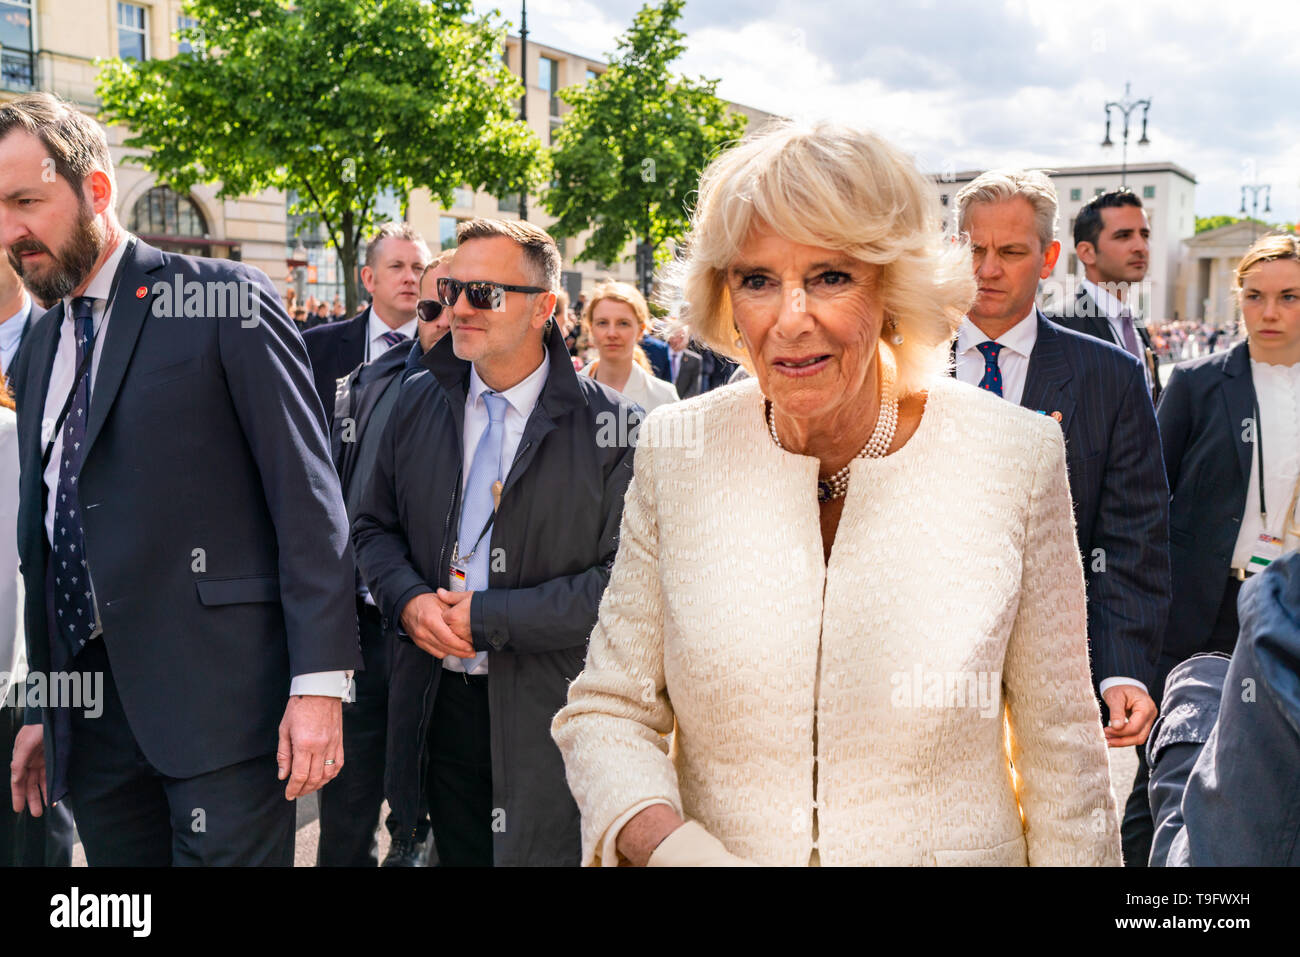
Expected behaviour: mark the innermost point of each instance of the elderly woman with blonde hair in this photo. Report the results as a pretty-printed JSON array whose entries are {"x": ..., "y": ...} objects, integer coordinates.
[{"x": 849, "y": 584}]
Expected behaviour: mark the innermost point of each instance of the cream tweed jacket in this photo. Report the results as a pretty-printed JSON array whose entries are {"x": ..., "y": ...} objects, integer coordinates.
[{"x": 872, "y": 707}]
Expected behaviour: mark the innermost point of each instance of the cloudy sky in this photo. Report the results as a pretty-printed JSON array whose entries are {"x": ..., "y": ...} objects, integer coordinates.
[{"x": 971, "y": 85}]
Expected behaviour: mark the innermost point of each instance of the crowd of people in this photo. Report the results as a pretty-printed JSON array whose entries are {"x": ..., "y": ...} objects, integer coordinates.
[
  {"x": 1181, "y": 339},
  {"x": 857, "y": 557}
]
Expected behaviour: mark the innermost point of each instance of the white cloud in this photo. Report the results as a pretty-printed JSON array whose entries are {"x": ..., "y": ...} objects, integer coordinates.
[{"x": 1016, "y": 82}]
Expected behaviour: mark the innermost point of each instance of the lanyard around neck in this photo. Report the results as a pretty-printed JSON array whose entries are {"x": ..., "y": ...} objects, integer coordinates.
[
  {"x": 84, "y": 367},
  {"x": 1259, "y": 451}
]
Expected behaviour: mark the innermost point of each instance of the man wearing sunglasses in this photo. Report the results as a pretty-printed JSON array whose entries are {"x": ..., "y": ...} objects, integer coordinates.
[{"x": 472, "y": 557}]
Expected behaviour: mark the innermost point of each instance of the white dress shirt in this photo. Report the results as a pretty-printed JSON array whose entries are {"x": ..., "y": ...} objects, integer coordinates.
[
  {"x": 1112, "y": 308},
  {"x": 1277, "y": 389},
  {"x": 11, "y": 333},
  {"x": 520, "y": 399},
  {"x": 13, "y": 659},
  {"x": 334, "y": 684},
  {"x": 1013, "y": 361},
  {"x": 646, "y": 390},
  {"x": 377, "y": 329}
]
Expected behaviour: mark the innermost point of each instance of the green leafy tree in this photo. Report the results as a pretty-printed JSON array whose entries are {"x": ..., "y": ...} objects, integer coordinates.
[
  {"x": 1204, "y": 223},
  {"x": 634, "y": 144},
  {"x": 338, "y": 101}
]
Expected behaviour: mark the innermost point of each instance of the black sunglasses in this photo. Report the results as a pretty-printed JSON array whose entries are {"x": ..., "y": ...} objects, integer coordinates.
[
  {"x": 428, "y": 310},
  {"x": 481, "y": 293}
]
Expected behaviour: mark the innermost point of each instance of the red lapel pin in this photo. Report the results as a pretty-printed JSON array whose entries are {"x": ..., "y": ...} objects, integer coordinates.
[
  {"x": 1056, "y": 416},
  {"x": 141, "y": 292}
]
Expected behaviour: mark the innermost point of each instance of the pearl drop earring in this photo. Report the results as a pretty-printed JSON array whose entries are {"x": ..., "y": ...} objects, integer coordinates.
[{"x": 897, "y": 338}]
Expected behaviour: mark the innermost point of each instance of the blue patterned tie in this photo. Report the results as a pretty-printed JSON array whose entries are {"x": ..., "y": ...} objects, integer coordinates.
[
  {"x": 484, "y": 472},
  {"x": 393, "y": 337},
  {"x": 992, "y": 380},
  {"x": 73, "y": 602}
]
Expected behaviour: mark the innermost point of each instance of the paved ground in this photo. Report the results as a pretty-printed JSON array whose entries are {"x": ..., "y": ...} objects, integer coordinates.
[{"x": 1123, "y": 766}]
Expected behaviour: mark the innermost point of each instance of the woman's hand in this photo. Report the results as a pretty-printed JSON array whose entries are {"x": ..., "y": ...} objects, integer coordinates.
[
  {"x": 645, "y": 832},
  {"x": 657, "y": 837}
]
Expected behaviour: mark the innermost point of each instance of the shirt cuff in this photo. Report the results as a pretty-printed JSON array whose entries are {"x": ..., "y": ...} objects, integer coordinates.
[
  {"x": 609, "y": 846},
  {"x": 329, "y": 684},
  {"x": 1108, "y": 683}
]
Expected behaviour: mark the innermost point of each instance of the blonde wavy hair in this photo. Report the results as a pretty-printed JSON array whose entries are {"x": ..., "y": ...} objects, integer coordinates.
[
  {"x": 1266, "y": 249},
  {"x": 625, "y": 293},
  {"x": 838, "y": 188}
]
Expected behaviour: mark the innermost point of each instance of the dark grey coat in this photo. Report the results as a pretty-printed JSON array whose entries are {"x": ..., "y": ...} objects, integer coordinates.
[{"x": 557, "y": 531}]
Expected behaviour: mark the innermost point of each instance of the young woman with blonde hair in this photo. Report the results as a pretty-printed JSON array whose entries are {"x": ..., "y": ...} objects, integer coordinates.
[{"x": 615, "y": 319}]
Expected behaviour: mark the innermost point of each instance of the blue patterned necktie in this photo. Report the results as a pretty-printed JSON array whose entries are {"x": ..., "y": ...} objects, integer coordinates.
[
  {"x": 393, "y": 337},
  {"x": 992, "y": 380},
  {"x": 484, "y": 472},
  {"x": 73, "y": 601}
]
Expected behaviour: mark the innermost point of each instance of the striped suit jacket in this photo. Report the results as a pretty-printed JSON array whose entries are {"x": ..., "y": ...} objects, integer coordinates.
[{"x": 1119, "y": 491}]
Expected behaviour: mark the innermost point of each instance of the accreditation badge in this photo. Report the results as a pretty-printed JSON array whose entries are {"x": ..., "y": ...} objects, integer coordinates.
[
  {"x": 1267, "y": 549},
  {"x": 456, "y": 576}
]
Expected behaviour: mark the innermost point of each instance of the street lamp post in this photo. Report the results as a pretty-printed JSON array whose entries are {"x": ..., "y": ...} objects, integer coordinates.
[
  {"x": 1126, "y": 107},
  {"x": 1254, "y": 189},
  {"x": 523, "y": 101}
]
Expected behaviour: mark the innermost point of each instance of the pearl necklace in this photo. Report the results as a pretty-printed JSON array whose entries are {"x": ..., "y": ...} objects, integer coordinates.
[{"x": 881, "y": 436}]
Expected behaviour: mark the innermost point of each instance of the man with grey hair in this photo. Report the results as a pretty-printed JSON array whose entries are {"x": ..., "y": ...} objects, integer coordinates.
[
  {"x": 1097, "y": 392},
  {"x": 492, "y": 588},
  {"x": 396, "y": 255}
]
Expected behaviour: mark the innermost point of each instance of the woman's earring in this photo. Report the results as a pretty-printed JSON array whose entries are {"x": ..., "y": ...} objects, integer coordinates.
[{"x": 897, "y": 338}]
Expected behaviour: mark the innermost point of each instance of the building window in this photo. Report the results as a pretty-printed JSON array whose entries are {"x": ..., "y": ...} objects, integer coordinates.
[
  {"x": 591, "y": 75},
  {"x": 131, "y": 28},
  {"x": 548, "y": 78},
  {"x": 1099, "y": 190},
  {"x": 1076, "y": 195},
  {"x": 17, "y": 68},
  {"x": 1148, "y": 192},
  {"x": 943, "y": 199},
  {"x": 182, "y": 44},
  {"x": 462, "y": 197},
  {"x": 508, "y": 203},
  {"x": 164, "y": 212},
  {"x": 447, "y": 232}
]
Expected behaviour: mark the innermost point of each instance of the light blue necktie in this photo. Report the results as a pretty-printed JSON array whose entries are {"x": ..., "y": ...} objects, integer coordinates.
[{"x": 484, "y": 470}]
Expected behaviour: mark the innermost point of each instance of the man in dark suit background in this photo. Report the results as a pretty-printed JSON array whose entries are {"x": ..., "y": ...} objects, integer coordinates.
[
  {"x": 1098, "y": 394},
  {"x": 684, "y": 364},
  {"x": 396, "y": 256},
  {"x": 189, "y": 517},
  {"x": 349, "y": 811},
  {"x": 18, "y": 313},
  {"x": 656, "y": 350},
  {"x": 1112, "y": 239}
]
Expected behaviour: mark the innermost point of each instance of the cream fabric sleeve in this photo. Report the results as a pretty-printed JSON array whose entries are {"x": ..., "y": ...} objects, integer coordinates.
[
  {"x": 1057, "y": 746},
  {"x": 612, "y": 731}
]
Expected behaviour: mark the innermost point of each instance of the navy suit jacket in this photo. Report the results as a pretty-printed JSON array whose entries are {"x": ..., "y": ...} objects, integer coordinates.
[
  {"x": 1085, "y": 315},
  {"x": 656, "y": 350},
  {"x": 1203, "y": 416},
  {"x": 1239, "y": 804},
  {"x": 34, "y": 313},
  {"x": 214, "y": 526},
  {"x": 335, "y": 349},
  {"x": 1117, "y": 486}
]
